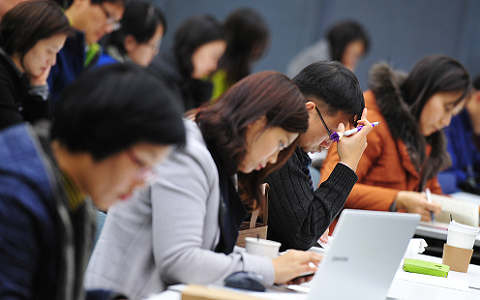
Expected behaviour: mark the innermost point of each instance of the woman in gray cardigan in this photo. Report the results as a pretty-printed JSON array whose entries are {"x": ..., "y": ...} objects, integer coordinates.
[{"x": 183, "y": 227}]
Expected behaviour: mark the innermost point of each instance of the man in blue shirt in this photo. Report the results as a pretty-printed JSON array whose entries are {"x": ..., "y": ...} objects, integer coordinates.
[{"x": 91, "y": 20}]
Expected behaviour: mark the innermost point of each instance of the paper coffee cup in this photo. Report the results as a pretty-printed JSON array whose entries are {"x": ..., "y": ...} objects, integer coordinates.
[
  {"x": 262, "y": 247},
  {"x": 461, "y": 236},
  {"x": 457, "y": 258}
]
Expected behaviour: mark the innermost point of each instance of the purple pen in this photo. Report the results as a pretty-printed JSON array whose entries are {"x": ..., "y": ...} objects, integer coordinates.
[{"x": 335, "y": 136}]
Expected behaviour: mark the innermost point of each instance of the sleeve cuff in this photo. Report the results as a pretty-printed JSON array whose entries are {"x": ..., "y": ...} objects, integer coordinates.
[
  {"x": 41, "y": 91},
  {"x": 344, "y": 176}
]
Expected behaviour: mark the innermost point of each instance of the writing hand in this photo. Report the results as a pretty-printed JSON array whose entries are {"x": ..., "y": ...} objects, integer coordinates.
[{"x": 294, "y": 263}]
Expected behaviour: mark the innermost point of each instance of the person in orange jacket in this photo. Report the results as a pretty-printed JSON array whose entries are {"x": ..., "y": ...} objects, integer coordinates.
[{"x": 407, "y": 151}]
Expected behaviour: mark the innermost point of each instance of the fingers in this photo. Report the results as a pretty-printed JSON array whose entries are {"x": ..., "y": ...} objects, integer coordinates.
[
  {"x": 341, "y": 128},
  {"x": 293, "y": 264},
  {"x": 324, "y": 237},
  {"x": 363, "y": 119}
]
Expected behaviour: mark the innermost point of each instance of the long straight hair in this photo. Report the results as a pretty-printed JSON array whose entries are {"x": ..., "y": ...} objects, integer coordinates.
[
  {"x": 193, "y": 33},
  {"x": 430, "y": 75},
  {"x": 270, "y": 94},
  {"x": 247, "y": 39}
]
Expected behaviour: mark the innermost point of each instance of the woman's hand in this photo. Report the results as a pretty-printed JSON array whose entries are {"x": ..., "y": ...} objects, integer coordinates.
[
  {"x": 324, "y": 237},
  {"x": 350, "y": 148},
  {"x": 417, "y": 203},
  {"x": 42, "y": 79},
  {"x": 294, "y": 263}
]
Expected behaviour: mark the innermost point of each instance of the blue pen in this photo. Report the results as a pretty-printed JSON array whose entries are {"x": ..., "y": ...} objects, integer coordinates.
[
  {"x": 429, "y": 199},
  {"x": 335, "y": 136}
]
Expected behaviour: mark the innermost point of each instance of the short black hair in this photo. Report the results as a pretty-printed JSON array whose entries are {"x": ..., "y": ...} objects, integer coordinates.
[
  {"x": 342, "y": 34},
  {"x": 141, "y": 20},
  {"x": 29, "y": 22},
  {"x": 333, "y": 84},
  {"x": 114, "y": 107},
  {"x": 193, "y": 33}
]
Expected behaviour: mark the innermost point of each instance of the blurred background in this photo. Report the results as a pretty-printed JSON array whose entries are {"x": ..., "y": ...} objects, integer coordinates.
[{"x": 401, "y": 31}]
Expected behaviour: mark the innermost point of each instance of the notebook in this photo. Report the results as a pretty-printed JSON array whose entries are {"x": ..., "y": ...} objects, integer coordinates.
[{"x": 366, "y": 251}]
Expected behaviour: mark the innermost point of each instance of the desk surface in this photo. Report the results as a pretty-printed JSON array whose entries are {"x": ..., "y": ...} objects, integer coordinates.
[{"x": 399, "y": 289}]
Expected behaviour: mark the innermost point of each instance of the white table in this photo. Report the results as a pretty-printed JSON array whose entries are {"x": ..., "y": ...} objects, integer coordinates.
[{"x": 399, "y": 289}]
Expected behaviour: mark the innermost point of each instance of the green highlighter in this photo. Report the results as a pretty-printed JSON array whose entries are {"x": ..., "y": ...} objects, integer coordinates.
[{"x": 425, "y": 267}]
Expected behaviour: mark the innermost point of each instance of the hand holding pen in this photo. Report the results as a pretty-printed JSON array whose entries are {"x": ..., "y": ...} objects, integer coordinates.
[
  {"x": 336, "y": 136},
  {"x": 429, "y": 199},
  {"x": 351, "y": 149}
]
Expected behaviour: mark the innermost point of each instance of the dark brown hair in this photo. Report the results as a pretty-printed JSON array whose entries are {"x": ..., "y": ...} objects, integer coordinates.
[
  {"x": 29, "y": 22},
  {"x": 247, "y": 32},
  {"x": 431, "y": 74},
  {"x": 270, "y": 94}
]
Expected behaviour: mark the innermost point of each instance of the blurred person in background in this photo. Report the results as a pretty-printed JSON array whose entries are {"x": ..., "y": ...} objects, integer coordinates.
[
  {"x": 91, "y": 20},
  {"x": 463, "y": 137},
  {"x": 346, "y": 42},
  {"x": 247, "y": 41},
  {"x": 199, "y": 42},
  {"x": 6, "y": 5},
  {"x": 31, "y": 35},
  {"x": 139, "y": 37}
]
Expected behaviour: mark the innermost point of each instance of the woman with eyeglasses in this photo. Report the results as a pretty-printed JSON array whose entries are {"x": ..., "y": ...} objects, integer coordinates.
[
  {"x": 139, "y": 37},
  {"x": 199, "y": 42},
  {"x": 407, "y": 151},
  {"x": 31, "y": 35},
  {"x": 184, "y": 227}
]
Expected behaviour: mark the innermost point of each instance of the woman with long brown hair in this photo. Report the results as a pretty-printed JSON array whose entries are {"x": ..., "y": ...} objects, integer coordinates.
[{"x": 184, "y": 227}]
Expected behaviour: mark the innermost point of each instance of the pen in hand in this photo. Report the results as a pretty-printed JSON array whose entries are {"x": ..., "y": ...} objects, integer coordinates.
[
  {"x": 336, "y": 136},
  {"x": 429, "y": 199}
]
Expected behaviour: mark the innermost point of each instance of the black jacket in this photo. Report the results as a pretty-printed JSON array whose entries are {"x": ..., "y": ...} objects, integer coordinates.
[{"x": 297, "y": 217}]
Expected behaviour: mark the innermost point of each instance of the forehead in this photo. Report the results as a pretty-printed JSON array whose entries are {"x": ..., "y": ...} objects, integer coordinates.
[{"x": 448, "y": 97}]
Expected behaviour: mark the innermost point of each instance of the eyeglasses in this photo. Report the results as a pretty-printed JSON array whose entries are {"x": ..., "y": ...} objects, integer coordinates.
[
  {"x": 325, "y": 125},
  {"x": 116, "y": 25},
  {"x": 144, "y": 174}
]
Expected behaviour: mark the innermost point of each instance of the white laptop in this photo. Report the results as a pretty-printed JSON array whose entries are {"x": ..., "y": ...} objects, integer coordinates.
[{"x": 366, "y": 251}]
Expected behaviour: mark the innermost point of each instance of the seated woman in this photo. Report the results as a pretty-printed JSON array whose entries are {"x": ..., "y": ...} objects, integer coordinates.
[
  {"x": 139, "y": 37},
  {"x": 247, "y": 40},
  {"x": 31, "y": 35},
  {"x": 184, "y": 227},
  {"x": 199, "y": 42},
  {"x": 408, "y": 149}
]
